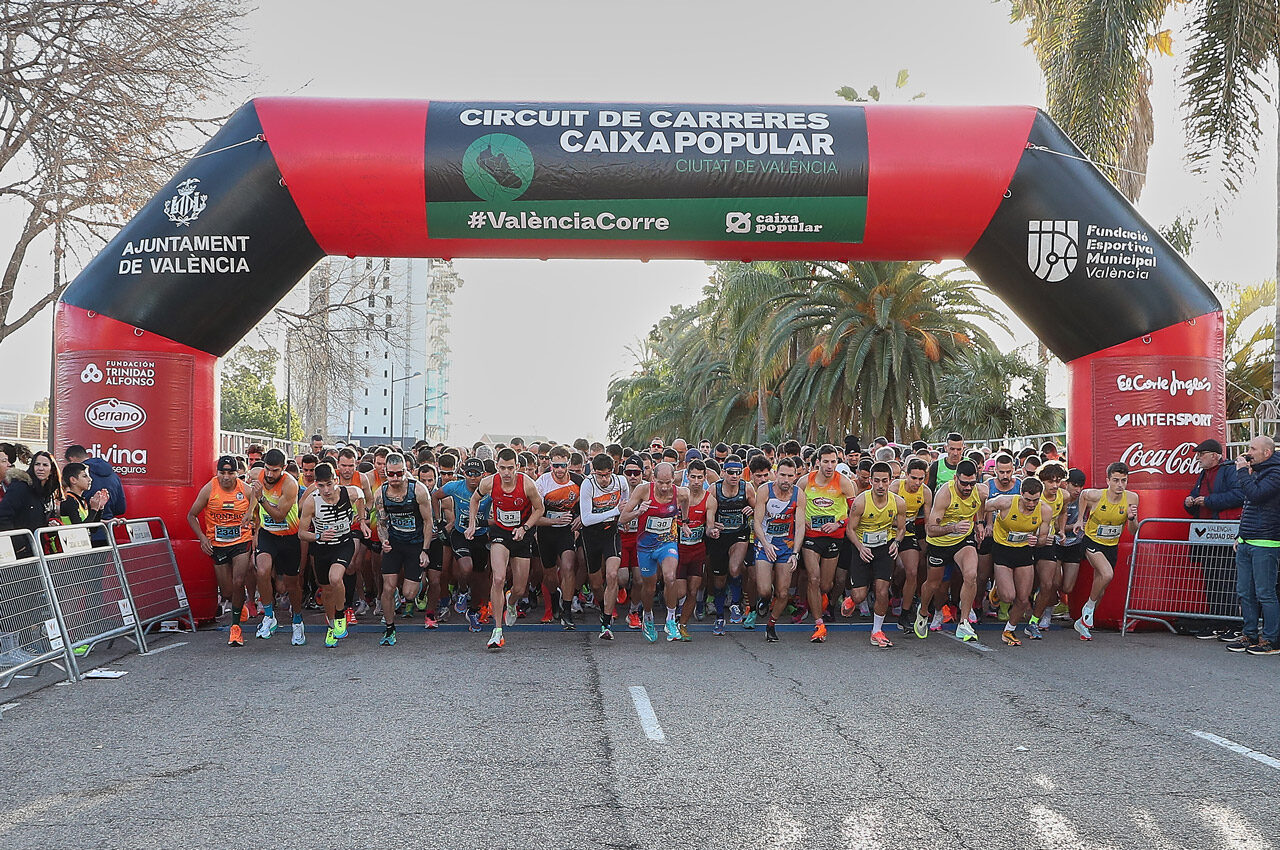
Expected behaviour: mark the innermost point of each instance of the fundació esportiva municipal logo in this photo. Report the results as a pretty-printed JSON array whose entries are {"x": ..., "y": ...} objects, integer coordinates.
[
  {"x": 498, "y": 167},
  {"x": 1053, "y": 248}
]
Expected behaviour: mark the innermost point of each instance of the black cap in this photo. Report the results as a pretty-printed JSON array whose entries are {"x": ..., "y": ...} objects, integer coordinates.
[
  {"x": 226, "y": 462},
  {"x": 1210, "y": 446},
  {"x": 1076, "y": 476},
  {"x": 919, "y": 445},
  {"x": 473, "y": 466}
]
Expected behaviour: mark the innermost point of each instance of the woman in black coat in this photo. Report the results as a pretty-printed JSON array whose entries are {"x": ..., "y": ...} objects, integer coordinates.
[{"x": 32, "y": 498}]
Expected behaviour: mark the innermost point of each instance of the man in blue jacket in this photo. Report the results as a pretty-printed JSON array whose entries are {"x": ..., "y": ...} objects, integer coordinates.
[
  {"x": 1214, "y": 497},
  {"x": 102, "y": 477},
  {"x": 1258, "y": 548}
]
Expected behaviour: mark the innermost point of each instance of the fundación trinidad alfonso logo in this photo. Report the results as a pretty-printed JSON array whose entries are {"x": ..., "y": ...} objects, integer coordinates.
[
  {"x": 1053, "y": 248},
  {"x": 186, "y": 206},
  {"x": 498, "y": 167}
]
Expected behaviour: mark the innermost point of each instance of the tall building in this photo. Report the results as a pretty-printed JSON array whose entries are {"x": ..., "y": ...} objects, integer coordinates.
[{"x": 375, "y": 362}]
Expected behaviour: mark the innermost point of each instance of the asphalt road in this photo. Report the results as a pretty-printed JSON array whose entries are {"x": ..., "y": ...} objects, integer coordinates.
[{"x": 438, "y": 743}]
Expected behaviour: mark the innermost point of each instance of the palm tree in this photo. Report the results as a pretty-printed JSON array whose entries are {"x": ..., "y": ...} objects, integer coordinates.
[
  {"x": 989, "y": 394},
  {"x": 1249, "y": 354}
]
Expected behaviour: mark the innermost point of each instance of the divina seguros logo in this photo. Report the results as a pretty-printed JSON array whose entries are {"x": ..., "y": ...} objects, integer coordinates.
[{"x": 1053, "y": 248}]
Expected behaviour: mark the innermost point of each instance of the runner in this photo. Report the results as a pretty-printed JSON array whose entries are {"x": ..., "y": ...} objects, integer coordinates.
[
  {"x": 1004, "y": 483},
  {"x": 403, "y": 507},
  {"x": 727, "y": 551},
  {"x": 871, "y": 516},
  {"x": 919, "y": 501},
  {"x": 1103, "y": 517},
  {"x": 1070, "y": 548},
  {"x": 697, "y": 509},
  {"x": 278, "y": 549},
  {"x": 779, "y": 529},
  {"x": 1021, "y": 527},
  {"x": 827, "y": 494},
  {"x": 560, "y": 489},
  {"x": 943, "y": 469},
  {"x": 628, "y": 532},
  {"x": 655, "y": 505},
  {"x": 470, "y": 553},
  {"x": 1048, "y": 567},
  {"x": 229, "y": 509},
  {"x": 349, "y": 476},
  {"x": 428, "y": 598},
  {"x": 329, "y": 512},
  {"x": 516, "y": 507},
  {"x": 602, "y": 496},
  {"x": 953, "y": 538}
]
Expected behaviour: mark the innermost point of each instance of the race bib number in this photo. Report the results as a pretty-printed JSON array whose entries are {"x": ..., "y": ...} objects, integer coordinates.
[
  {"x": 272, "y": 524},
  {"x": 875, "y": 538},
  {"x": 632, "y": 526},
  {"x": 403, "y": 522},
  {"x": 819, "y": 521},
  {"x": 1111, "y": 532},
  {"x": 510, "y": 519},
  {"x": 731, "y": 521},
  {"x": 691, "y": 536},
  {"x": 1017, "y": 537},
  {"x": 658, "y": 525},
  {"x": 558, "y": 514},
  {"x": 227, "y": 533},
  {"x": 776, "y": 527}
]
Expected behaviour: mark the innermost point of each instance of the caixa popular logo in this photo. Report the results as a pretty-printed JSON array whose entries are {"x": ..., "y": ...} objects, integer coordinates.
[
  {"x": 1053, "y": 248},
  {"x": 112, "y": 414},
  {"x": 186, "y": 206},
  {"x": 1176, "y": 461}
]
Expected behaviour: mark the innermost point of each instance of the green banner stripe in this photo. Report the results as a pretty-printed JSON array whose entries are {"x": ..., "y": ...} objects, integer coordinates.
[{"x": 801, "y": 219}]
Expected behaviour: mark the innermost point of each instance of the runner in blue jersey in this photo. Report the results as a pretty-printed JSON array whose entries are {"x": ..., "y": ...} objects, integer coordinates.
[{"x": 469, "y": 556}]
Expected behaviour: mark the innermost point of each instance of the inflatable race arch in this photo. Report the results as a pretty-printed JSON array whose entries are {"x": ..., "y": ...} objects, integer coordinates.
[{"x": 289, "y": 180}]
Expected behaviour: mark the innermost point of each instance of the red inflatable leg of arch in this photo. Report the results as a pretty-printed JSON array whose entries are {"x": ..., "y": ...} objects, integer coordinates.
[
  {"x": 1177, "y": 370},
  {"x": 168, "y": 394}
]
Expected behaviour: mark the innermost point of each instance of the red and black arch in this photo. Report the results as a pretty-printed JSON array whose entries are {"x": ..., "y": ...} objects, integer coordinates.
[{"x": 289, "y": 180}]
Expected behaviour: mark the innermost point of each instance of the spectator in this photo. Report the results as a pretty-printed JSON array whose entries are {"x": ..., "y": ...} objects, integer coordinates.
[
  {"x": 1214, "y": 497},
  {"x": 32, "y": 499},
  {"x": 102, "y": 477},
  {"x": 1258, "y": 548},
  {"x": 78, "y": 506}
]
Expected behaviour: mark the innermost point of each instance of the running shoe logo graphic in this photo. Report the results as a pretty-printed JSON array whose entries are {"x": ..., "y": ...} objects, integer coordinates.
[
  {"x": 1052, "y": 248},
  {"x": 498, "y": 167}
]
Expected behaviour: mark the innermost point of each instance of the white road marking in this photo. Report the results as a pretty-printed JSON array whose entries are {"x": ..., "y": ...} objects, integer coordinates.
[
  {"x": 974, "y": 645},
  {"x": 7, "y": 706},
  {"x": 648, "y": 719},
  {"x": 1225, "y": 743},
  {"x": 167, "y": 647}
]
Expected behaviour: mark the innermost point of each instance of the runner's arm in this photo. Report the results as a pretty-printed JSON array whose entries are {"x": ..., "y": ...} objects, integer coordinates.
[
  {"x": 801, "y": 521},
  {"x": 428, "y": 516},
  {"x": 197, "y": 507},
  {"x": 933, "y": 526},
  {"x": 535, "y": 500},
  {"x": 632, "y": 508},
  {"x": 306, "y": 533}
]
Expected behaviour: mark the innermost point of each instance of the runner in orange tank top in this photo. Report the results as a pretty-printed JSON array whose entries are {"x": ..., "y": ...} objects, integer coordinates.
[{"x": 230, "y": 509}]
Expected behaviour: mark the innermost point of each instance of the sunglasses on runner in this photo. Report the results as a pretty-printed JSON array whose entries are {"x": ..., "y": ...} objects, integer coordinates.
[
  {"x": 631, "y": 472},
  {"x": 559, "y": 465},
  {"x": 395, "y": 475}
]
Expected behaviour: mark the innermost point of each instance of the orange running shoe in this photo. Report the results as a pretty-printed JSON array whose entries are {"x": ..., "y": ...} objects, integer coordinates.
[
  {"x": 881, "y": 640},
  {"x": 846, "y": 607},
  {"x": 245, "y": 616},
  {"x": 633, "y": 620},
  {"x": 622, "y": 596},
  {"x": 949, "y": 613},
  {"x": 486, "y": 611},
  {"x": 235, "y": 638},
  {"x": 1010, "y": 638},
  {"x": 819, "y": 633},
  {"x": 824, "y": 603},
  {"x": 351, "y": 616}
]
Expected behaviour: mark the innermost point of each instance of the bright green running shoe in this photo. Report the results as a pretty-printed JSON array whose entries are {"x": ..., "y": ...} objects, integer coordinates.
[
  {"x": 921, "y": 626},
  {"x": 339, "y": 627},
  {"x": 330, "y": 639}
]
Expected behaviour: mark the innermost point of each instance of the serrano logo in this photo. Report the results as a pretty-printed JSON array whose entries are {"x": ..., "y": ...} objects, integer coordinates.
[
  {"x": 1052, "y": 249},
  {"x": 112, "y": 414},
  {"x": 1177, "y": 461}
]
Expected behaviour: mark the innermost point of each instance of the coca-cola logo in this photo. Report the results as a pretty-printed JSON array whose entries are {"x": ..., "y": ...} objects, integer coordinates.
[
  {"x": 1173, "y": 385},
  {"x": 1177, "y": 461},
  {"x": 112, "y": 414}
]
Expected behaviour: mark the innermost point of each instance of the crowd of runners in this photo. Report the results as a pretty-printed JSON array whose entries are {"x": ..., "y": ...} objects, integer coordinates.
[{"x": 742, "y": 535}]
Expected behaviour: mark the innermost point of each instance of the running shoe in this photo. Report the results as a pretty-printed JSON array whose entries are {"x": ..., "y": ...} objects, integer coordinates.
[
  {"x": 420, "y": 603},
  {"x": 299, "y": 635},
  {"x": 749, "y": 621},
  {"x": 1080, "y": 627},
  {"x": 949, "y": 614},
  {"x": 236, "y": 638},
  {"x": 965, "y": 632},
  {"x": 650, "y": 632},
  {"x": 606, "y": 633},
  {"x": 351, "y": 617},
  {"x": 846, "y": 607},
  {"x": 735, "y": 614},
  {"x": 245, "y": 614},
  {"x": 684, "y": 633},
  {"x": 1263, "y": 647},
  {"x": 718, "y": 628},
  {"x": 1062, "y": 611},
  {"x": 340, "y": 628},
  {"x": 388, "y": 637},
  {"x": 362, "y": 608},
  {"x": 1242, "y": 644},
  {"x": 430, "y": 622},
  {"x": 1033, "y": 631},
  {"x": 473, "y": 621},
  {"x": 935, "y": 625},
  {"x": 973, "y": 617},
  {"x": 512, "y": 614},
  {"x": 1087, "y": 617},
  {"x": 330, "y": 639},
  {"x": 486, "y": 612},
  {"x": 622, "y": 596},
  {"x": 575, "y": 606},
  {"x": 905, "y": 620},
  {"x": 377, "y": 608},
  {"x": 994, "y": 595},
  {"x": 567, "y": 624},
  {"x": 1010, "y": 638},
  {"x": 770, "y": 633},
  {"x": 267, "y": 628},
  {"x": 463, "y": 601},
  {"x": 673, "y": 631},
  {"x": 819, "y": 633},
  {"x": 799, "y": 616},
  {"x": 496, "y": 640},
  {"x": 548, "y": 616},
  {"x": 881, "y": 640},
  {"x": 633, "y": 621},
  {"x": 921, "y": 626}
]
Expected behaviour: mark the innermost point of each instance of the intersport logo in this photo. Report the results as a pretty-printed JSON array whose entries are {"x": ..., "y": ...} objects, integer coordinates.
[
  {"x": 112, "y": 414},
  {"x": 1176, "y": 461}
]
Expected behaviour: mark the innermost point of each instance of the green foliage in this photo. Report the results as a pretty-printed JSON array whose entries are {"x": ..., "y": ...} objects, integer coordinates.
[
  {"x": 249, "y": 400},
  {"x": 988, "y": 394},
  {"x": 1250, "y": 351},
  {"x": 874, "y": 94}
]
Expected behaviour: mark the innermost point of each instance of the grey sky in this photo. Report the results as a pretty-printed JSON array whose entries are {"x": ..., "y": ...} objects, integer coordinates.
[{"x": 524, "y": 315}]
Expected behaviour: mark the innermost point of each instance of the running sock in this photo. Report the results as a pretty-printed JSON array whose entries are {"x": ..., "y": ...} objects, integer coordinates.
[
  {"x": 1087, "y": 611},
  {"x": 1009, "y": 626},
  {"x": 817, "y": 621},
  {"x": 671, "y": 614},
  {"x": 735, "y": 589},
  {"x": 719, "y": 600},
  {"x": 268, "y": 610},
  {"x": 235, "y": 616},
  {"x": 350, "y": 582},
  {"x": 877, "y": 623},
  {"x": 297, "y": 618},
  {"x": 606, "y": 620}
]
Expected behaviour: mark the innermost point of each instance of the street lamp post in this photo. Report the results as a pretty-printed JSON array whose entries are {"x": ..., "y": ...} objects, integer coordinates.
[{"x": 391, "y": 428}]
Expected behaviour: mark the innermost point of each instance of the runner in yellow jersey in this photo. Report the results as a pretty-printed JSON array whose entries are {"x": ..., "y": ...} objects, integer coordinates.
[
  {"x": 827, "y": 495},
  {"x": 877, "y": 525},
  {"x": 1103, "y": 517},
  {"x": 953, "y": 536},
  {"x": 278, "y": 549},
  {"x": 919, "y": 501},
  {"x": 1048, "y": 565},
  {"x": 1021, "y": 524}
]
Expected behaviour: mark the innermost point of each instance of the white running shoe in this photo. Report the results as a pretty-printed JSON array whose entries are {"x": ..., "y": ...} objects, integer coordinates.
[
  {"x": 1087, "y": 616},
  {"x": 299, "y": 635},
  {"x": 965, "y": 632},
  {"x": 268, "y": 627},
  {"x": 512, "y": 613},
  {"x": 973, "y": 617},
  {"x": 1083, "y": 629}
]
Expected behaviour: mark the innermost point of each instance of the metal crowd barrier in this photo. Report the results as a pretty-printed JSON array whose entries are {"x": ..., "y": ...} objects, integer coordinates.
[
  {"x": 90, "y": 590},
  {"x": 1182, "y": 569},
  {"x": 31, "y": 629},
  {"x": 151, "y": 572}
]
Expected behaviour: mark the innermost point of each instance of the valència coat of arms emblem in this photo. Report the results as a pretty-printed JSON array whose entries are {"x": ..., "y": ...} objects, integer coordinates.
[{"x": 186, "y": 206}]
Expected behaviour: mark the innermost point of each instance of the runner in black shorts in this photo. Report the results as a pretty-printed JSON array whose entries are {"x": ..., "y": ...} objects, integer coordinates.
[
  {"x": 327, "y": 517},
  {"x": 877, "y": 524},
  {"x": 601, "y": 497},
  {"x": 404, "y": 517}
]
